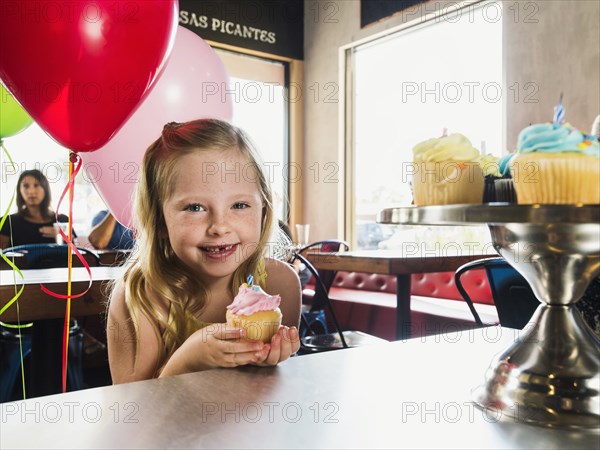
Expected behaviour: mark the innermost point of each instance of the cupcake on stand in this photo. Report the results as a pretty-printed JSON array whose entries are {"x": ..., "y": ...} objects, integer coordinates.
[
  {"x": 446, "y": 171},
  {"x": 556, "y": 164}
]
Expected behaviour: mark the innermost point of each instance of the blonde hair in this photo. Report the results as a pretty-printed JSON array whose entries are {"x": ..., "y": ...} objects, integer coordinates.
[{"x": 155, "y": 268}]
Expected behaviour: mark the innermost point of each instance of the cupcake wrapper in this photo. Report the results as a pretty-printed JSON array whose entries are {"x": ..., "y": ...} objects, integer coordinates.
[
  {"x": 446, "y": 183},
  {"x": 560, "y": 178},
  {"x": 260, "y": 326}
]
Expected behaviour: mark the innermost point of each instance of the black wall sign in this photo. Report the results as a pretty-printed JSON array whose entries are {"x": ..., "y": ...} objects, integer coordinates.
[
  {"x": 271, "y": 26},
  {"x": 374, "y": 10}
]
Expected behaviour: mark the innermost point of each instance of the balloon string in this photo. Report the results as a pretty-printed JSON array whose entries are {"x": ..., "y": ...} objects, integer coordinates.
[
  {"x": 65, "y": 355},
  {"x": 76, "y": 162},
  {"x": 16, "y": 271}
]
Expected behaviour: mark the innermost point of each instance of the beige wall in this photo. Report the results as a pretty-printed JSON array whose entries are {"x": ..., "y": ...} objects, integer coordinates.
[{"x": 559, "y": 53}]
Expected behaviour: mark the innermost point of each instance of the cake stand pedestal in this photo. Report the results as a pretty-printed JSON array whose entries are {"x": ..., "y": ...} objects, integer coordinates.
[{"x": 550, "y": 376}]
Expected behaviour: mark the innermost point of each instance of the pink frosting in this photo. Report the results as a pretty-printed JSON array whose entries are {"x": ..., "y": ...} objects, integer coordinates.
[{"x": 253, "y": 299}]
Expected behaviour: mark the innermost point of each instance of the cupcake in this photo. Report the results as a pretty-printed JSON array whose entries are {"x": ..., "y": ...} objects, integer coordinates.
[
  {"x": 503, "y": 186},
  {"x": 446, "y": 172},
  {"x": 556, "y": 164},
  {"x": 255, "y": 311}
]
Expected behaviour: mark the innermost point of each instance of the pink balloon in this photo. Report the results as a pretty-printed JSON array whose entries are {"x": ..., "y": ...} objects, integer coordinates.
[{"x": 190, "y": 88}]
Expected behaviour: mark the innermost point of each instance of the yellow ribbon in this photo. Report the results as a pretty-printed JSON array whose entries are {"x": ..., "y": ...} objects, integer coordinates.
[{"x": 16, "y": 270}]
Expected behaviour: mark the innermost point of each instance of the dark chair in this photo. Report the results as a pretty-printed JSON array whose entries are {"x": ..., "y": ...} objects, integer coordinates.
[
  {"x": 10, "y": 358},
  {"x": 311, "y": 341},
  {"x": 42, "y": 256},
  {"x": 512, "y": 295},
  {"x": 313, "y": 319}
]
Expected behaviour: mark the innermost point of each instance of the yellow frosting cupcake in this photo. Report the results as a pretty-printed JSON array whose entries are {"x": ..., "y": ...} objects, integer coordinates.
[
  {"x": 556, "y": 164},
  {"x": 447, "y": 171}
]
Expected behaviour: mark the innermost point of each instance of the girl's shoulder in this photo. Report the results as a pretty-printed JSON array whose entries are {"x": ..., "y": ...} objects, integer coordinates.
[
  {"x": 280, "y": 275},
  {"x": 276, "y": 266}
]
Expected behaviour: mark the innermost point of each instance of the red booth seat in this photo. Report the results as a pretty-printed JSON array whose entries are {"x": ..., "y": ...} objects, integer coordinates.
[{"x": 367, "y": 302}]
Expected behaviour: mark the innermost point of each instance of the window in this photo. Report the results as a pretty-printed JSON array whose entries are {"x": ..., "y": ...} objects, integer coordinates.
[{"x": 406, "y": 88}]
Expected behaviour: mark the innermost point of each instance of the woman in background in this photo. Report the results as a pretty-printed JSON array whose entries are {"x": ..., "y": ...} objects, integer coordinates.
[{"x": 33, "y": 223}]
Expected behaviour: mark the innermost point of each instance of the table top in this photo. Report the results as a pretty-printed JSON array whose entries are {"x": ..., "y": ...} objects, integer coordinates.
[
  {"x": 59, "y": 275},
  {"x": 34, "y": 304},
  {"x": 395, "y": 262},
  {"x": 491, "y": 213},
  {"x": 411, "y": 394}
]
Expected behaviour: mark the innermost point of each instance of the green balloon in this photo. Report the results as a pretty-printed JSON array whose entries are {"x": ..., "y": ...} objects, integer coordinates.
[{"x": 13, "y": 118}]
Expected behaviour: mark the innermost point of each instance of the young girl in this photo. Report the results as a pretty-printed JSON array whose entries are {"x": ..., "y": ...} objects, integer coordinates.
[
  {"x": 33, "y": 223},
  {"x": 204, "y": 212}
]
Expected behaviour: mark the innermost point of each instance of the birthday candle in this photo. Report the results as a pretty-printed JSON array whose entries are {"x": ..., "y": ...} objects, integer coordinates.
[
  {"x": 559, "y": 112},
  {"x": 250, "y": 280}
]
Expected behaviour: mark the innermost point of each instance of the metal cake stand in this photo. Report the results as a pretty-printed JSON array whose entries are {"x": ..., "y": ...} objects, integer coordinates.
[{"x": 550, "y": 375}]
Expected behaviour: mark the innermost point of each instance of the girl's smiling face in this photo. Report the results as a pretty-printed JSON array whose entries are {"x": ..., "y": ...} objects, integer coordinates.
[{"x": 214, "y": 212}]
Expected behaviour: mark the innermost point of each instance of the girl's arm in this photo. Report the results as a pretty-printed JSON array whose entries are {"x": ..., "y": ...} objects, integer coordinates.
[
  {"x": 220, "y": 345},
  {"x": 129, "y": 361},
  {"x": 217, "y": 345}
]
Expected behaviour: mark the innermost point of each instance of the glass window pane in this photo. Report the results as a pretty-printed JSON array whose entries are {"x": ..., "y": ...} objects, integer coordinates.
[{"x": 408, "y": 87}]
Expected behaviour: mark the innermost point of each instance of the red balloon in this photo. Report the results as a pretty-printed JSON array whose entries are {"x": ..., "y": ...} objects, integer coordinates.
[{"x": 80, "y": 69}]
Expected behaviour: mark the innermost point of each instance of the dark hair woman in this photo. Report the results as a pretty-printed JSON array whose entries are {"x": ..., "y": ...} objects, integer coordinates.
[{"x": 33, "y": 223}]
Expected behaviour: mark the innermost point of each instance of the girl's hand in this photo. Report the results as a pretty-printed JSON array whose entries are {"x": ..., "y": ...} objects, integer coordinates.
[
  {"x": 217, "y": 345},
  {"x": 283, "y": 345}
]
